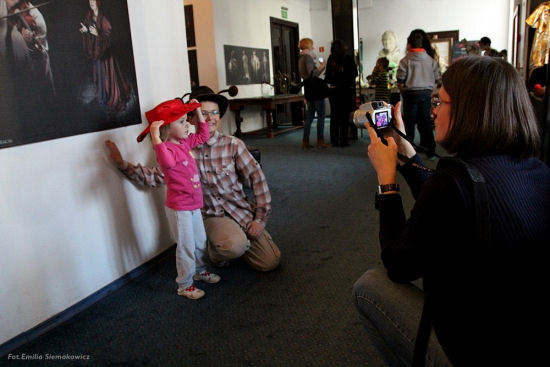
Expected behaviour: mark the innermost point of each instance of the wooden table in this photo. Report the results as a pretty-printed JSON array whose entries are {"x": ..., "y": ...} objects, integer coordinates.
[{"x": 268, "y": 104}]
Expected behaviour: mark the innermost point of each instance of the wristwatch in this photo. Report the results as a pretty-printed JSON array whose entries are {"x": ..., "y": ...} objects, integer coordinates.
[{"x": 389, "y": 187}]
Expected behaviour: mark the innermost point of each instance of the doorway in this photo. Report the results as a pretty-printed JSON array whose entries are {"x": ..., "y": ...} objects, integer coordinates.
[{"x": 284, "y": 48}]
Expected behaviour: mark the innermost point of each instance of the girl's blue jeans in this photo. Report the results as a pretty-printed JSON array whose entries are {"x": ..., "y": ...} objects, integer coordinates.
[{"x": 312, "y": 107}]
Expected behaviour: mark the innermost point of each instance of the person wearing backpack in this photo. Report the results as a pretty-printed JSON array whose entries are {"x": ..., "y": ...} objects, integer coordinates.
[{"x": 480, "y": 258}]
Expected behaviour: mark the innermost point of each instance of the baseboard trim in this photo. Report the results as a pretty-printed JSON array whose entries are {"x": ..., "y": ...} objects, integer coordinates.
[{"x": 78, "y": 307}]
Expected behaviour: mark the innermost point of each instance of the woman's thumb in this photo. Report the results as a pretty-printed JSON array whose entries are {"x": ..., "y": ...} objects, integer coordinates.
[{"x": 391, "y": 142}]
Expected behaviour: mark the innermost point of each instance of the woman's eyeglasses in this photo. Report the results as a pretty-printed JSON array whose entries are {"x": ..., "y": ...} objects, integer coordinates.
[{"x": 436, "y": 101}]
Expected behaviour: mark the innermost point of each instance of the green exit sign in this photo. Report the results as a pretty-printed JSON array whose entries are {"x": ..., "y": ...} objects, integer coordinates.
[{"x": 284, "y": 12}]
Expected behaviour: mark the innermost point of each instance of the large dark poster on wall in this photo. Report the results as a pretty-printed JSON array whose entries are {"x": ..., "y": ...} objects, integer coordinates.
[
  {"x": 66, "y": 68},
  {"x": 245, "y": 65}
]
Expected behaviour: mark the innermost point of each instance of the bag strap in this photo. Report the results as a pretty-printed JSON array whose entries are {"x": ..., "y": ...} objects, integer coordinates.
[
  {"x": 481, "y": 205},
  {"x": 423, "y": 335},
  {"x": 483, "y": 243}
]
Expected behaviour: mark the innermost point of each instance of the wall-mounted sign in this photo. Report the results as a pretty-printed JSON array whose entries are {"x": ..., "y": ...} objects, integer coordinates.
[{"x": 284, "y": 12}]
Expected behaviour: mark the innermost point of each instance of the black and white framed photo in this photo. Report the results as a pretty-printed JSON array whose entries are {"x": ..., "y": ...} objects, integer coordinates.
[{"x": 245, "y": 65}]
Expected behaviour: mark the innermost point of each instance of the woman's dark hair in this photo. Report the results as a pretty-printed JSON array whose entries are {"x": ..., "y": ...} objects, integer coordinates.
[
  {"x": 338, "y": 49},
  {"x": 419, "y": 39},
  {"x": 491, "y": 112}
]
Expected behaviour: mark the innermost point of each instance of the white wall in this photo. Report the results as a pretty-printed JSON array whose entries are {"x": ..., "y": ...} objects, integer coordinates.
[
  {"x": 70, "y": 224},
  {"x": 321, "y": 26},
  {"x": 246, "y": 23},
  {"x": 473, "y": 18}
]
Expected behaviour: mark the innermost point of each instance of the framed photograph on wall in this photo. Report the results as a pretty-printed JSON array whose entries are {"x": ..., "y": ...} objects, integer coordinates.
[
  {"x": 245, "y": 65},
  {"x": 443, "y": 43},
  {"x": 67, "y": 68},
  {"x": 444, "y": 52}
]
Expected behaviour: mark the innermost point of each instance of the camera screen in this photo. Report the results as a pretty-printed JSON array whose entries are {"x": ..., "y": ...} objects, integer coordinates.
[{"x": 381, "y": 119}]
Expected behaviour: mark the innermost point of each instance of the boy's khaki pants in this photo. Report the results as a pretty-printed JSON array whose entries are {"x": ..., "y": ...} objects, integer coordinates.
[{"x": 227, "y": 240}]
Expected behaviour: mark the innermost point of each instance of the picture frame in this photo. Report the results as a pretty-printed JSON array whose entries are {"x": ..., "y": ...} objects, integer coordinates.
[
  {"x": 444, "y": 52},
  {"x": 246, "y": 65},
  {"x": 444, "y": 34},
  {"x": 443, "y": 43},
  {"x": 75, "y": 75}
]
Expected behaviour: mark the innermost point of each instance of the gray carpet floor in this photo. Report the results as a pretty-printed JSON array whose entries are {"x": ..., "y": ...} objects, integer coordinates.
[{"x": 301, "y": 314}]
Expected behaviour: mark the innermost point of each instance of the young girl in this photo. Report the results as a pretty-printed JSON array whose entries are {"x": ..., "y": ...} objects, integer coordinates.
[
  {"x": 172, "y": 142},
  {"x": 379, "y": 78}
]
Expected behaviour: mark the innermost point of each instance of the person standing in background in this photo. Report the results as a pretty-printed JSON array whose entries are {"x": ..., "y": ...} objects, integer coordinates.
[
  {"x": 340, "y": 75},
  {"x": 379, "y": 78},
  {"x": 417, "y": 76},
  {"x": 313, "y": 86}
]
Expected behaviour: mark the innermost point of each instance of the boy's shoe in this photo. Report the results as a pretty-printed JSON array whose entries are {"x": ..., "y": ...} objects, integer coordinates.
[
  {"x": 191, "y": 292},
  {"x": 207, "y": 277}
]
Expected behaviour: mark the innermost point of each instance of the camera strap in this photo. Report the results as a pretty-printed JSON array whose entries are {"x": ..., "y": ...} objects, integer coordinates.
[
  {"x": 416, "y": 147},
  {"x": 406, "y": 160}
]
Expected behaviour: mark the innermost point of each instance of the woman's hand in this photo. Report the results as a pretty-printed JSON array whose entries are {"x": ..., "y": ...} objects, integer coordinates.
[{"x": 382, "y": 157}]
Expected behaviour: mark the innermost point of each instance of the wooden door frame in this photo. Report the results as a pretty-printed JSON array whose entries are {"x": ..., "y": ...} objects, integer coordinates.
[{"x": 296, "y": 27}]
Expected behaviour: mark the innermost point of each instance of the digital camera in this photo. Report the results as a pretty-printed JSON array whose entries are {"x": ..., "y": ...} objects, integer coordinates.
[{"x": 376, "y": 113}]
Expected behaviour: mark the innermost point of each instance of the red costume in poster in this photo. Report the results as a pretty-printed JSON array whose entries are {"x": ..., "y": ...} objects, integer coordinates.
[{"x": 112, "y": 90}]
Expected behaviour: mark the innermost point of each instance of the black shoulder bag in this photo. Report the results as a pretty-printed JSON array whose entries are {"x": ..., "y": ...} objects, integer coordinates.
[
  {"x": 483, "y": 235},
  {"x": 315, "y": 88}
]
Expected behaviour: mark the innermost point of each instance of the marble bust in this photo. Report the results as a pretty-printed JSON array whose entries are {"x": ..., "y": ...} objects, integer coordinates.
[{"x": 390, "y": 51}]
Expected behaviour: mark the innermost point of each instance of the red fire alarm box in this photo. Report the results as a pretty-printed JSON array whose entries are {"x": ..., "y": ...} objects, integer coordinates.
[{"x": 321, "y": 49}]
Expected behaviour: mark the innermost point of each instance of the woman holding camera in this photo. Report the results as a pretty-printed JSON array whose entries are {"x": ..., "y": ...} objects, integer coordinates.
[{"x": 481, "y": 269}]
